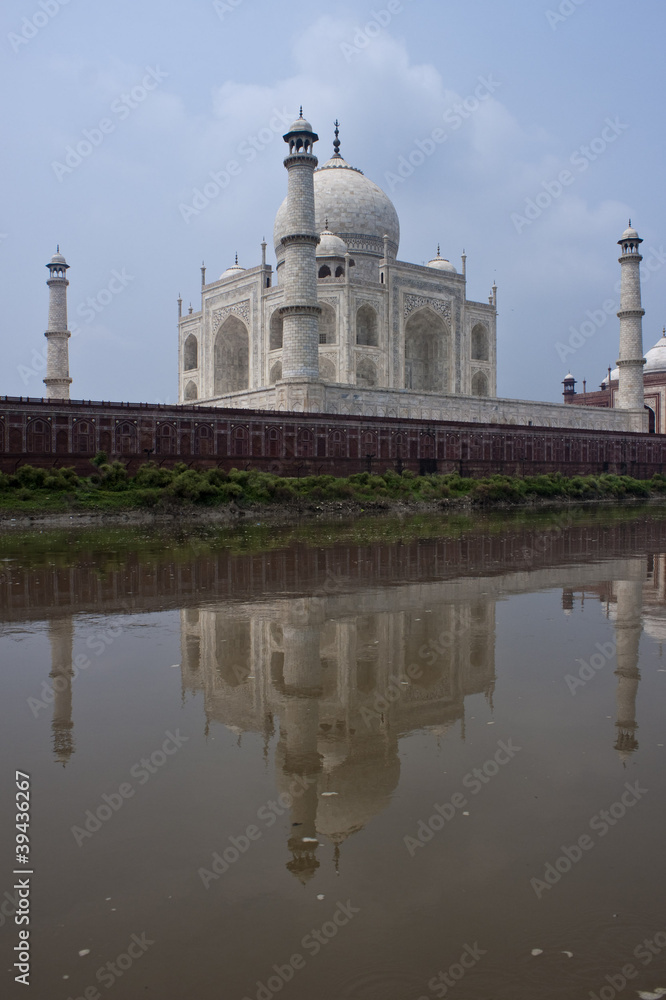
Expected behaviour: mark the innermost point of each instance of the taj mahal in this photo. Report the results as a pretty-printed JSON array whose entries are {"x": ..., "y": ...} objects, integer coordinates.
[{"x": 341, "y": 326}]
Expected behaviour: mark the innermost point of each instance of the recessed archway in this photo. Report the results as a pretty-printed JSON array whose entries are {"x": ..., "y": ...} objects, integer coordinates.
[
  {"x": 191, "y": 390},
  {"x": 366, "y": 327},
  {"x": 426, "y": 352},
  {"x": 232, "y": 357},
  {"x": 190, "y": 353},
  {"x": 480, "y": 345},
  {"x": 480, "y": 384},
  {"x": 275, "y": 337}
]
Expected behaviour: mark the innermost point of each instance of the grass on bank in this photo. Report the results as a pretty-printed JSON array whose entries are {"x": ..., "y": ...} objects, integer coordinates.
[{"x": 110, "y": 488}]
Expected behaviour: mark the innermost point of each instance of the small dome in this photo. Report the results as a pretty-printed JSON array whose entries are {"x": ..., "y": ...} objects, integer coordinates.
[
  {"x": 629, "y": 234},
  {"x": 655, "y": 359},
  {"x": 331, "y": 245},
  {"x": 441, "y": 263},
  {"x": 57, "y": 257},
  {"x": 301, "y": 124},
  {"x": 233, "y": 270},
  {"x": 569, "y": 378}
]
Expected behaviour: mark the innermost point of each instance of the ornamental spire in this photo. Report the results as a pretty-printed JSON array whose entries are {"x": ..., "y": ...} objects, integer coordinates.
[{"x": 336, "y": 141}]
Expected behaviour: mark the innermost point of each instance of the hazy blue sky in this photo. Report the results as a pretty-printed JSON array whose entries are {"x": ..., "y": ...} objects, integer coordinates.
[{"x": 576, "y": 87}]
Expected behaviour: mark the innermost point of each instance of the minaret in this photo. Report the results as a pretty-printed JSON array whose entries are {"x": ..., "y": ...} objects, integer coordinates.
[
  {"x": 631, "y": 360},
  {"x": 57, "y": 379},
  {"x": 300, "y": 312}
]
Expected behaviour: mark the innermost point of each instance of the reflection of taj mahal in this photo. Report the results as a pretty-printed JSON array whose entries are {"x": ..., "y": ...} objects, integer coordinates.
[{"x": 332, "y": 673}]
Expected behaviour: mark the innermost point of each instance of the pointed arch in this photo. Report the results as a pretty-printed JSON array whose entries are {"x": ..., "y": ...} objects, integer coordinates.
[
  {"x": 480, "y": 384},
  {"x": 232, "y": 357},
  {"x": 366, "y": 327},
  {"x": 275, "y": 334},
  {"x": 480, "y": 343},
  {"x": 328, "y": 325},
  {"x": 191, "y": 390},
  {"x": 427, "y": 352},
  {"x": 366, "y": 373},
  {"x": 190, "y": 353}
]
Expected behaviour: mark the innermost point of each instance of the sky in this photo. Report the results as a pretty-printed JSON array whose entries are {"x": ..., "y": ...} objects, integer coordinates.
[{"x": 549, "y": 116}]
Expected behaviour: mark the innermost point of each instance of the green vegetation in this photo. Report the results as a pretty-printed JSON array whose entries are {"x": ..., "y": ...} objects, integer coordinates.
[{"x": 110, "y": 489}]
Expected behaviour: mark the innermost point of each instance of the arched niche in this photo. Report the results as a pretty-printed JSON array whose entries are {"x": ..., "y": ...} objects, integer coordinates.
[
  {"x": 426, "y": 352},
  {"x": 191, "y": 390},
  {"x": 480, "y": 343},
  {"x": 275, "y": 337},
  {"x": 328, "y": 327},
  {"x": 276, "y": 372},
  {"x": 190, "y": 353},
  {"x": 366, "y": 373},
  {"x": 366, "y": 327},
  {"x": 480, "y": 384},
  {"x": 327, "y": 371},
  {"x": 232, "y": 357}
]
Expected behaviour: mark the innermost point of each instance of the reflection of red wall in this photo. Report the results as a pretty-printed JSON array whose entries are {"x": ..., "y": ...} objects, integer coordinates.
[{"x": 299, "y": 444}]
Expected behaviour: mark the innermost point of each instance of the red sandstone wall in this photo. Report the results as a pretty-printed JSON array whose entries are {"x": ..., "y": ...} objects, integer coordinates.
[{"x": 60, "y": 433}]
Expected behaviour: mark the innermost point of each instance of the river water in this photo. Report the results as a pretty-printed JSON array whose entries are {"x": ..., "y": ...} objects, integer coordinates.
[{"x": 373, "y": 761}]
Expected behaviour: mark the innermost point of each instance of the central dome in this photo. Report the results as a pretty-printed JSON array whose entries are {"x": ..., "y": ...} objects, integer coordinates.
[{"x": 355, "y": 208}]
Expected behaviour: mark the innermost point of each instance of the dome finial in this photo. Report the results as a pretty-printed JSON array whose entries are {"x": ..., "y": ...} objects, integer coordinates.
[
  {"x": 236, "y": 260},
  {"x": 438, "y": 253},
  {"x": 300, "y": 111},
  {"x": 336, "y": 141},
  {"x": 57, "y": 248},
  {"x": 630, "y": 223}
]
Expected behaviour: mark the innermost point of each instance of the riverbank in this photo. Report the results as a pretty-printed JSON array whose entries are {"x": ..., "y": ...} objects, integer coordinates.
[{"x": 60, "y": 498}]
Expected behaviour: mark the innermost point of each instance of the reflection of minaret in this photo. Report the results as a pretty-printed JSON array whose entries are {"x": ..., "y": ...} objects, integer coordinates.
[
  {"x": 628, "y": 628},
  {"x": 61, "y": 636},
  {"x": 299, "y": 725}
]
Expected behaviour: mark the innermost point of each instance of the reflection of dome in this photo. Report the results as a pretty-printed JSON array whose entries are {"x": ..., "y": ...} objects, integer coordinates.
[
  {"x": 354, "y": 206},
  {"x": 364, "y": 781}
]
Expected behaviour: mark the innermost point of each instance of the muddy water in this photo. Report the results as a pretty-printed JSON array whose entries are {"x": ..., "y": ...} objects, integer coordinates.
[{"x": 368, "y": 762}]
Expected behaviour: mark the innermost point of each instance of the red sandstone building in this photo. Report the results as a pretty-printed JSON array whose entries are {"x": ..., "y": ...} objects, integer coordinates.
[{"x": 654, "y": 388}]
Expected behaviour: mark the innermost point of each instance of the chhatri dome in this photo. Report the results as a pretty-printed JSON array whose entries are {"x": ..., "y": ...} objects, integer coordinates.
[
  {"x": 348, "y": 204},
  {"x": 442, "y": 263}
]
